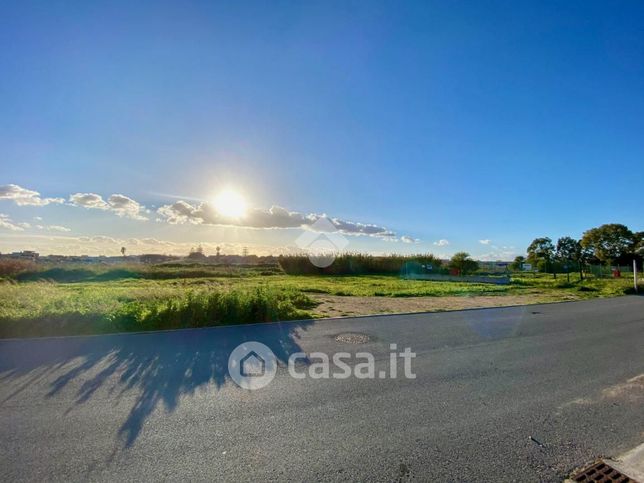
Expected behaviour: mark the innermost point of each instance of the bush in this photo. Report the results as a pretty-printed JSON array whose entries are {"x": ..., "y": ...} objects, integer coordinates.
[
  {"x": 358, "y": 264},
  {"x": 211, "y": 308},
  {"x": 194, "y": 308},
  {"x": 11, "y": 268},
  {"x": 57, "y": 274},
  {"x": 70, "y": 273}
]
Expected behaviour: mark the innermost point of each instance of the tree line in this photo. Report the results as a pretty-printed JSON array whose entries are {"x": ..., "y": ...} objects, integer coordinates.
[{"x": 610, "y": 244}]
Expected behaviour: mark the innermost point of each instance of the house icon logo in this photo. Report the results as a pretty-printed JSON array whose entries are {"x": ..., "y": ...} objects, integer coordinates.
[
  {"x": 322, "y": 242},
  {"x": 252, "y": 365}
]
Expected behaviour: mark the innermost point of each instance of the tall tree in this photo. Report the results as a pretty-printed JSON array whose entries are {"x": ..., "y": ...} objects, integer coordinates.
[
  {"x": 462, "y": 262},
  {"x": 518, "y": 262},
  {"x": 541, "y": 250},
  {"x": 609, "y": 242},
  {"x": 638, "y": 243},
  {"x": 569, "y": 251}
]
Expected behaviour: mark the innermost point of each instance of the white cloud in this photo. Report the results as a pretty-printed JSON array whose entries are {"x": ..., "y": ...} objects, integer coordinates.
[
  {"x": 88, "y": 200},
  {"x": 273, "y": 218},
  {"x": 25, "y": 197},
  {"x": 125, "y": 206},
  {"x": 8, "y": 224},
  {"x": 505, "y": 254},
  {"x": 408, "y": 239},
  {"x": 100, "y": 239},
  {"x": 485, "y": 242},
  {"x": 57, "y": 228},
  {"x": 120, "y": 204},
  {"x": 178, "y": 212},
  {"x": 441, "y": 243},
  {"x": 152, "y": 241}
]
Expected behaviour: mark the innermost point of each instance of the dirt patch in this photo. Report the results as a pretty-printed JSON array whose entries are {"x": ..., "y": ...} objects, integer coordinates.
[
  {"x": 631, "y": 390},
  {"x": 343, "y": 306}
]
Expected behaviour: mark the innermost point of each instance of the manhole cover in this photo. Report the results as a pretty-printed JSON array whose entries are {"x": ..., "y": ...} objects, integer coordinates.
[
  {"x": 352, "y": 338},
  {"x": 601, "y": 473}
]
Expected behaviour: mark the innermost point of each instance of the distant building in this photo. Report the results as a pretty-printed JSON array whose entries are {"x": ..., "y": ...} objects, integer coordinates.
[
  {"x": 23, "y": 255},
  {"x": 156, "y": 258}
]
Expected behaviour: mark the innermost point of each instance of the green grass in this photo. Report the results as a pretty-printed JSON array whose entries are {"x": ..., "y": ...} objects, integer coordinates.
[
  {"x": 99, "y": 303},
  {"x": 45, "y": 308},
  {"x": 383, "y": 285},
  {"x": 170, "y": 271}
]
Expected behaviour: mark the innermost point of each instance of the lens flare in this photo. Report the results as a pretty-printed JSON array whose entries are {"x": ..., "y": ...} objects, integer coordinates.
[{"x": 230, "y": 203}]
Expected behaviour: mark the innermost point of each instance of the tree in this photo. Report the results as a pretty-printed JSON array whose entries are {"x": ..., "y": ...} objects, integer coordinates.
[
  {"x": 462, "y": 262},
  {"x": 123, "y": 251},
  {"x": 541, "y": 250},
  {"x": 609, "y": 242},
  {"x": 196, "y": 253},
  {"x": 569, "y": 251},
  {"x": 517, "y": 264},
  {"x": 638, "y": 243}
]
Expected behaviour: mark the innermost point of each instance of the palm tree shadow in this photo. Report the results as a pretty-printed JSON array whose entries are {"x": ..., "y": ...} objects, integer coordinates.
[{"x": 162, "y": 367}]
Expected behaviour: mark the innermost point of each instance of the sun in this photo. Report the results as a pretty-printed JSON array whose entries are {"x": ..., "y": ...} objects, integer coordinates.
[{"x": 230, "y": 203}]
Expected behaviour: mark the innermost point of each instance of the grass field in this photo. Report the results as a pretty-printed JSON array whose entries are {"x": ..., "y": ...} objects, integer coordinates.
[{"x": 126, "y": 299}]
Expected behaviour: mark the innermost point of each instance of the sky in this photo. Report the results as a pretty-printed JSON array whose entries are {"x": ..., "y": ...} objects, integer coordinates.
[{"x": 411, "y": 127}]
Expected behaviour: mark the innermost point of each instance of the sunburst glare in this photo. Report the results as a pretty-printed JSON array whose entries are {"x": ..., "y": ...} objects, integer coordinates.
[{"x": 230, "y": 203}]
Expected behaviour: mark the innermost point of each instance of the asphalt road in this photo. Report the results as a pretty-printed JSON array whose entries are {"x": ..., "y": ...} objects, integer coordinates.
[{"x": 162, "y": 406}]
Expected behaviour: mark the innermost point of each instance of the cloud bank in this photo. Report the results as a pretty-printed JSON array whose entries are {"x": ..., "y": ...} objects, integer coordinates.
[
  {"x": 111, "y": 246},
  {"x": 119, "y": 204},
  {"x": 8, "y": 224},
  {"x": 122, "y": 205},
  {"x": 408, "y": 239},
  {"x": 273, "y": 218},
  {"x": 25, "y": 197},
  {"x": 203, "y": 213}
]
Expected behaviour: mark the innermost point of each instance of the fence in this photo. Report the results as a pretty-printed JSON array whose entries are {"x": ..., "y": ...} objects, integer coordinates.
[{"x": 603, "y": 271}]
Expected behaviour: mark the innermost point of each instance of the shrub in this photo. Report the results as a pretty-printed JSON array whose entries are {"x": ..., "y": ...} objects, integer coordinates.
[
  {"x": 211, "y": 308},
  {"x": 358, "y": 264},
  {"x": 11, "y": 268}
]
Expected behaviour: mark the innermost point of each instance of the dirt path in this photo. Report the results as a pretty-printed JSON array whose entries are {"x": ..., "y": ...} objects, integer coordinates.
[{"x": 339, "y": 306}]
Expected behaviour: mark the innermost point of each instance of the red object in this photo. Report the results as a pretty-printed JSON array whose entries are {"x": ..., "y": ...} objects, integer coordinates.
[
  {"x": 454, "y": 271},
  {"x": 617, "y": 273}
]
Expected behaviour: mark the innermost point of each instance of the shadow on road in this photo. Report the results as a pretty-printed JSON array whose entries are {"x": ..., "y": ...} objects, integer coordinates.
[{"x": 162, "y": 367}]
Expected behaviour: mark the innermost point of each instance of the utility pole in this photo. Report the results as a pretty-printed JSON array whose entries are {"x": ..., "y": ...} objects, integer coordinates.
[{"x": 635, "y": 274}]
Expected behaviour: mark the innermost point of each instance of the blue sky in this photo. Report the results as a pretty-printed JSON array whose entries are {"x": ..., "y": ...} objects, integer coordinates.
[{"x": 456, "y": 121}]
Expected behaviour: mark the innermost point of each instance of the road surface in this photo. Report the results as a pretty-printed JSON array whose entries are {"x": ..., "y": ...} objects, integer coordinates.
[{"x": 161, "y": 406}]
